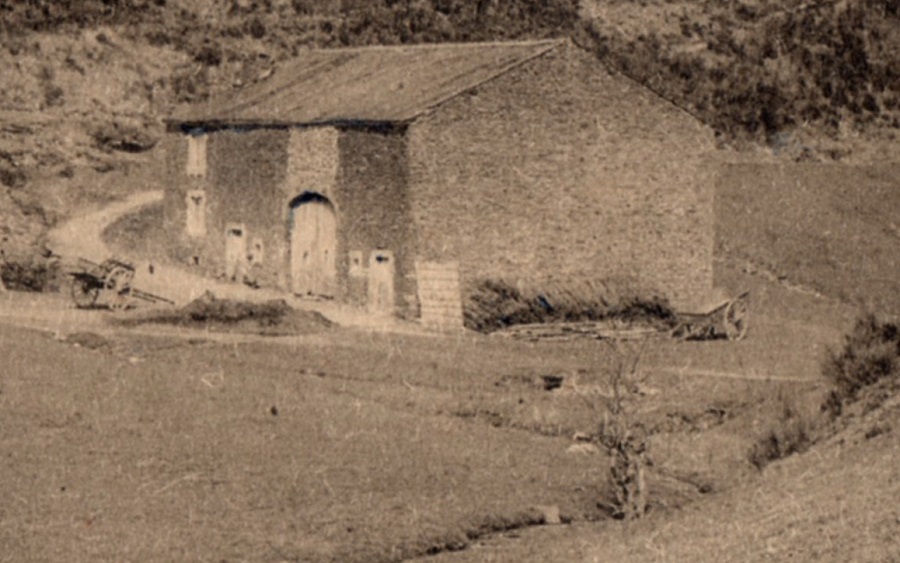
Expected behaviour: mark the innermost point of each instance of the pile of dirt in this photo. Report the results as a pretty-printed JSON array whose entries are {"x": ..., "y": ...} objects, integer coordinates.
[{"x": 269, "y": 318}]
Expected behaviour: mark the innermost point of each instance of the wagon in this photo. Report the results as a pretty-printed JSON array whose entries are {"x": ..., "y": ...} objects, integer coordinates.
[
  {"x": 724, "y": 319},
  {"x": 108, "y": 283}
]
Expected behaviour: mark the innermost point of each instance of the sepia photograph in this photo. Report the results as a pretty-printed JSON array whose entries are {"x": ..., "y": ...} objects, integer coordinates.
[{"x": 449, "y": 281}]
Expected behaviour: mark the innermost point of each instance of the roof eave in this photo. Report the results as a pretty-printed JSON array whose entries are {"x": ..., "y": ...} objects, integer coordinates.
[{"x": 225, "y": 123}]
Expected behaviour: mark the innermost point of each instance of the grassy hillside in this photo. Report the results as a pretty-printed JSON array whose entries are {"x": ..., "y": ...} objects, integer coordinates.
[
  {"x": 86, "y": 82},
  {"x": 830, "y": 228},
  {"x": 763, "y": 69},
  {"x": 834, "y": 503}
]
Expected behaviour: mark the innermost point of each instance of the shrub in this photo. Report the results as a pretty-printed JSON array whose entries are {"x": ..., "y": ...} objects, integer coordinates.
[
  {"x": 871, "y": 354},
  {"x": 122, "y": 137},
  {"x": 269, "y": 318},
  {"x": 12, "y": 177},
  {"x": 190, "y": 84},
  {"x": 30, "y": 274},
  {"x": 256, "y": 28},
  {"x": 792, "y": 433},
  {"x": 211, "y": 309},
  {"x": 209, "y": 54},
  {"x": 495, "y": 303}
]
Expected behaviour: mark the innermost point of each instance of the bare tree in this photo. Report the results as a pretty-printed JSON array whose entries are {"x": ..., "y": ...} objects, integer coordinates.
[{"x": 623, "y": 436}]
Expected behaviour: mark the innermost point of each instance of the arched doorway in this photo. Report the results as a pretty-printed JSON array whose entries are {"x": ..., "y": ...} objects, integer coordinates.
[{"x": 313, "y": 238}]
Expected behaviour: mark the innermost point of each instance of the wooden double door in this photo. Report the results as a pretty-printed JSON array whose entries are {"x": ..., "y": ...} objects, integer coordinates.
[{"x": 313, "y": 241}]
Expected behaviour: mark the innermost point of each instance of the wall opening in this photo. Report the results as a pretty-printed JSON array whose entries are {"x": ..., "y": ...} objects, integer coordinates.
[
  {"x": 196, "y": 154},
  {"x": 196, "y": 213},
  {"x": 381, "y": 282},
  {"x": 235, "y": 252},
  {"x": 313, "y": 242}
]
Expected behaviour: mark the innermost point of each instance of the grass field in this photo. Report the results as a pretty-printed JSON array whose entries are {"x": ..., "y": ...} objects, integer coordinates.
[
  {"x": 350, "y": 446},
  {"x": 829, "y": 227}
]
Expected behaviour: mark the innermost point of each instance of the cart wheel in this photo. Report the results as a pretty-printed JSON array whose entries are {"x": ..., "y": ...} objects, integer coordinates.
[
  {"x": 736, "y": 319},
  {"x": 118, "y": 287},
  {"x": 84, "y": 294}
]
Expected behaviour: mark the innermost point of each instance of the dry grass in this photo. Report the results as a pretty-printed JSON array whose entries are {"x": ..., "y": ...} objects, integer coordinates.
[
  {"x": 344, "y": 447},
  {"x": 208, "y": 452},
  {"x": 827, "y": 227}
]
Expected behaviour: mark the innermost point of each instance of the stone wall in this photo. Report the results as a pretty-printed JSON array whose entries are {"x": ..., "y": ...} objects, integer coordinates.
[
  {"x": 246, "y": 168},
  {"x": 253, "y": 175},
  {"x": 373, "y": 210},
  {"x": 559, "y": 170}
]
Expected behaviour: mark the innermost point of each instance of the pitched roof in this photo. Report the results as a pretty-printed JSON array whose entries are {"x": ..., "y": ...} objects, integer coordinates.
[{"x": 368, "y": 84}]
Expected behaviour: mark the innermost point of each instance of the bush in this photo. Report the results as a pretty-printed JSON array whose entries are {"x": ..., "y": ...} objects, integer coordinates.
[
  {"x": 256, "y": 28},
  {"x": 12, "y": 177},
  {"x": 270, "y": 318},
  {"x": 494, "y": 304},
  {"x": 211, "y": 309},
  {"x": 190, "y": 84},
  {"x": 871, "y": 354},
  {"x": 792, "y": 434},
  {"x": 116, "y": 136},
  {"x": 30, "y": 274},
  {"x": 209, "y": 54}
]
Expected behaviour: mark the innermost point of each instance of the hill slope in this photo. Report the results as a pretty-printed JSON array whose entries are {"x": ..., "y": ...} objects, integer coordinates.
[
  {"x": 786, "y": 73},
  {"x": 836, "y": 502},
  {"x": 86, "y": 82}
]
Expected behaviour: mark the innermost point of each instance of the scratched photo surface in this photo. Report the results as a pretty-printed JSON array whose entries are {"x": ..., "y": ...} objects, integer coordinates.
[{"x": 449, "y": 280}]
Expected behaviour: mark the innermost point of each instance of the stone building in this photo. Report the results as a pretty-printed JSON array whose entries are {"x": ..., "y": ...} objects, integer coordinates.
[{"x": 398, "y": 177}]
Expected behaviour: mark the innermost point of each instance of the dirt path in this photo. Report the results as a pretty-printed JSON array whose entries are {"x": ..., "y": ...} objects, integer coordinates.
[{"x": 81, "y": 237}]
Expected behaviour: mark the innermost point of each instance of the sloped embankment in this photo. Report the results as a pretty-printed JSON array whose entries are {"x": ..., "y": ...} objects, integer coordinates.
[{"x": 829, "y": 227}]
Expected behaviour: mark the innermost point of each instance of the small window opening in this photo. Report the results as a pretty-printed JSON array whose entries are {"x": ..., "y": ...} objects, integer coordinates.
[{"x": 196, "y": 155}]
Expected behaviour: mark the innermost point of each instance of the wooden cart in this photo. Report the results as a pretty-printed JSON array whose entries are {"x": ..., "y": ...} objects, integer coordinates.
[
  {"x": 108, "y": 283},
  {"x": 725, "y": 319}
]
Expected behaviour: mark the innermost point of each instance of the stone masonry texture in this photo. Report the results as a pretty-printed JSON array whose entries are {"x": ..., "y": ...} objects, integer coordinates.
[
  {"x": 556, "y": 170},
  {"x": 559, "y": 170}
]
